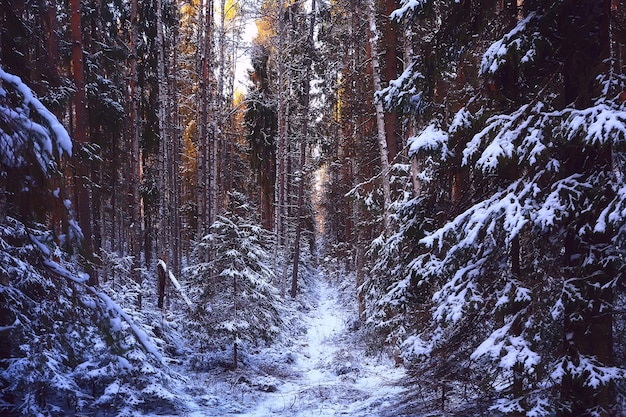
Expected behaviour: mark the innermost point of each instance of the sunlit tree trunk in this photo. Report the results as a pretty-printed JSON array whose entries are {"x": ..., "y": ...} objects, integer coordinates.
[
  {"x": 175, "y": 150},
  {"x": 205, "y": 48},
  {"x": 303, "y": 146},
  {"x": 281, "y": 154},
  {"x": 223, "y": 106},
  {"x": 214, "y": 147}
]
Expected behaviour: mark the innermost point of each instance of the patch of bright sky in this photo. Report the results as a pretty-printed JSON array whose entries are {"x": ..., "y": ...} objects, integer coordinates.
[{"x": 243, "y": 63}]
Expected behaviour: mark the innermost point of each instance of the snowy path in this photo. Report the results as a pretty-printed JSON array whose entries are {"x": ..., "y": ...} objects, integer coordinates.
[
  {"x": 334, "y": 376},
  {"x": 321, "y": 373}
]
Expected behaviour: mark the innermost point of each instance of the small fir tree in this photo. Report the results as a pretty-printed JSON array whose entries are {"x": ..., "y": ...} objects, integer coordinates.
[{"x": 235, "y": 300}]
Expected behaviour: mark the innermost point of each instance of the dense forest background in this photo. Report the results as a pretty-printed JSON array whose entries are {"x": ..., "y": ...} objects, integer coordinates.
[{"x": 462, "y": 162}]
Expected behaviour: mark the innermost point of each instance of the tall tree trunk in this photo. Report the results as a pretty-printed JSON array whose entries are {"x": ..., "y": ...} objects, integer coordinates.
[
  {"x": 303, "y": 144},
  {"x": 80, "y": 135},
  {"x": 392, "y": 67},
  {"x": 135, "y": 157},
  {"x": 410, "y": 128},
  {"x": 215, "y": 115},
  {"x": 214, "y": 187},
  {"x": 300, "y": 212},
  {"x": 175, "y": 150},
  {"x": 360, "y": 280},
  {"x": 164, "y": 221},
  {"x": 236, "y": 314},
  {"x": 223, "y": 105},
  {"x": 50, "y": 23},
  {"x": 205, "y": 13},
  {"x": 59, "y": 212},
  {"x": 380, "y": 116},
  {"x": 280, "y": 186}
]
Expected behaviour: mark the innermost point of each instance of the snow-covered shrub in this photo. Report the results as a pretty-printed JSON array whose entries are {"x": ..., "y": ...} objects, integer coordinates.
[
  {"x": 393, "y": 294},
  {"x": 66, "y": 347},
  {"x": 390, "y": 274},
  {"x": 116, "y": 278}
]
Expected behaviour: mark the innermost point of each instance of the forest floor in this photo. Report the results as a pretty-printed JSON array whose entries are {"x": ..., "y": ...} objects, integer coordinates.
[{"x": 322, "y": 370}]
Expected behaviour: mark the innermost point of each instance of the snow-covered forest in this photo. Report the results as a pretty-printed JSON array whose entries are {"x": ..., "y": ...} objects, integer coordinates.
[{"x": 398, "y": 208}]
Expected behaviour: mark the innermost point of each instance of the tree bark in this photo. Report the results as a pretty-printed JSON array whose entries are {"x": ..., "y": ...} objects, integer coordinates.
[
  {"x": 80, "y": 136},
  {"x": 300, "y": 213},
  {"x": 175, "y": 151},
  {"x": 380, "y": 117},
  {"x": 165, "y": 171},
  {"x": 392, "y": 68},
  {"x": 205, "y": 55},
  {"x": 134, "y": 178},
  {"x": 360, "y": 280},
  {"x": 588, "y": 326},
  {"x": 280, "y": 186},
  {"x": 162, "y": 282},
  {"x": 303, "y": 143},
  {"x": 50, "y": 23}
]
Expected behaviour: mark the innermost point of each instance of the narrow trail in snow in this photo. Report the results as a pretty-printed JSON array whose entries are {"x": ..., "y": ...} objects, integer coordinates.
[{"x": 331, "y": 375}]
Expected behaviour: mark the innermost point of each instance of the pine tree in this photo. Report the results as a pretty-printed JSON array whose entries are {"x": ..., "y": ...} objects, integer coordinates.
[
  {"x": 522, "y": 247},
  {"x": 262, "y": 124}
]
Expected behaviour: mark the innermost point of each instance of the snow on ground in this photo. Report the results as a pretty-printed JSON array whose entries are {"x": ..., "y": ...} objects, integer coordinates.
[{"x": 322, "y": 371}]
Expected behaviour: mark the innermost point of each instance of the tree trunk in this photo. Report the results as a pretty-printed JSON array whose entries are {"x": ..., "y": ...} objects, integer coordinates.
[
  {"x": 80, "y": 136},
  {"x": 135, "y": 157},
  {"x": 303, "y": 143},
  {"x": 300, "y": 213},
  {"x": 280, "y": 186},
  {"x": 50, "y": 22},
  {"x": 360, "y": 280},
  {"x": 175, "y": 152},
  {"x": 236, "y": 313},
  {"x": 162, "y": 282},
  {"x": 222, "y": 110},
  {"x": 588, "y": 326},
  {"x": 380, "y": 117},
  {"x": 95, "y": 132},
  {"x": 213, "y": 164},
  {"x": 392, "y": 67},
  {"x": 215, "y": 112},
  {"x": 165, "y": 168},
  {"x": 205, "y": 54}
]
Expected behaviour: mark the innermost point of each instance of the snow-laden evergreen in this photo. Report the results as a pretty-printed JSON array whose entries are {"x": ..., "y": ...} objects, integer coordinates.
[
  {"x": 232, "y": 284},
  {"x": 66, "y": 348},
  {"x": 27, "y": 127},
  {"x": 509, "y": 274}
]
